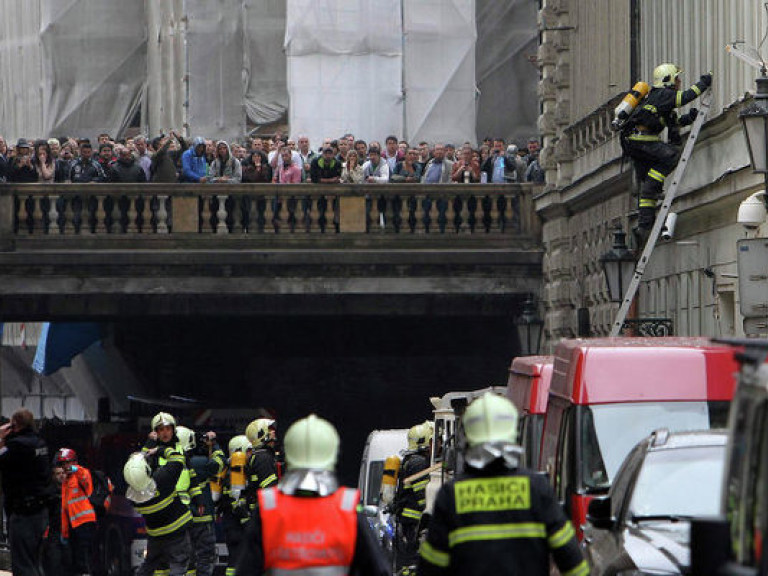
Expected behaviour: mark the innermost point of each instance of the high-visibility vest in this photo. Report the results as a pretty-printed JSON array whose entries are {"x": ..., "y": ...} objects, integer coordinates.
[
  {"x": 76, "y": 509},
  {"x": 305, "y": 532},
  {"x": 182, "y": 486}
]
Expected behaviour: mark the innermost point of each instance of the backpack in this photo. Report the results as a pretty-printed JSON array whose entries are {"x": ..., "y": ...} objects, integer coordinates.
[{"x": 100, "y": 498}]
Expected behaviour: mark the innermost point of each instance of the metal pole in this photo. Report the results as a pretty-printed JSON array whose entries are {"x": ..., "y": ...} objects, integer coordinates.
[{"x": 402, "y": 69}]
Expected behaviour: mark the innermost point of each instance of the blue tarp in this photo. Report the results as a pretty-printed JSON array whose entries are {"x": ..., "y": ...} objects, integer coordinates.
[{"x": 60, "y": 342}]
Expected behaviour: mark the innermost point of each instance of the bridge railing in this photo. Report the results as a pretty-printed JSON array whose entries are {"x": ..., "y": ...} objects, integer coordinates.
[{"x": 54, "y": 212}]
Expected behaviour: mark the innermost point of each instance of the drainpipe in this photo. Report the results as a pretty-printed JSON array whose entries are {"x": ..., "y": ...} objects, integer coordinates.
[{"x": 634, "y": 42}]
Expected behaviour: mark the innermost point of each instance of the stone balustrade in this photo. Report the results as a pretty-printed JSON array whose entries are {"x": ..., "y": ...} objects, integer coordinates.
[{"x": 50, "y": 213}]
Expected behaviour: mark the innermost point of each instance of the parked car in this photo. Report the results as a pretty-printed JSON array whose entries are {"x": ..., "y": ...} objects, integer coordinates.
[
  {"x": 607, "y": 394},
  {"x": 528, "y": 390},
  {"x": 642, "y": 526}
]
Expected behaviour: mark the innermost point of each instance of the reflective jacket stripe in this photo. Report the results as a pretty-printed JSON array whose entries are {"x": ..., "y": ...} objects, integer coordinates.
[
  {"x": 81, "y": 514},
  {"x": 314, "y": 571},
  {"x": 582, "y": 569},
  {"x": 348, "y": 499},
  {"x": 496, "y": 532},
  {"x": 417, "y": 486},
  {"x": 267, "y": 480},
  {"x": 201, "y": 519},
  {"x": 156, "y": 507},
  {"x": 656, "y": 175},
  {"x": 172, "y": 527},
  {"x": 561, "y": 537},
  {"x": 644, "y": 138},
  {"x": 434, "y": 556},
  {"x": 411, "y": 513},
  {"x": 78, "y": 499},
  {"x": 269, "y": 498}
]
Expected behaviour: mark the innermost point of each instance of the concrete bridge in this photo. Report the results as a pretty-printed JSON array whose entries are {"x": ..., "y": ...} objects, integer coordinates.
[{"x": 102, "y": 251}]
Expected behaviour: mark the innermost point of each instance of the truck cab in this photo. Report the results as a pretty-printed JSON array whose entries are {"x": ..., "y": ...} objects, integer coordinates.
[
  {"x": 528, "y": 390},
  {"x": 445, "y": 458},
  {"x": 734, "y": 543},
  {"x": 608, "y": 394}
]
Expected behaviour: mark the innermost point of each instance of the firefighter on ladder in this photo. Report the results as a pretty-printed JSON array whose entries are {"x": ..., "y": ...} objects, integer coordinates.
[{"x": 641, "y": 140}]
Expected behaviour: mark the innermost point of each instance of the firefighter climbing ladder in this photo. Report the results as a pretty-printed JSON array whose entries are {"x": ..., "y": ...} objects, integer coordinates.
[{"x": 704, "y": 103}]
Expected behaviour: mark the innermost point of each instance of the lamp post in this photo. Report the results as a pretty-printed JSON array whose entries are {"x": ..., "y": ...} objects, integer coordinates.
[
  {"x": 618, "y": 265},
  {"x": 754, "y": 119},
  {"x": 529, "y": 328}
]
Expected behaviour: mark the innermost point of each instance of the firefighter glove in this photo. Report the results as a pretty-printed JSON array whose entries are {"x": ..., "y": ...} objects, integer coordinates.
[
  {"x": 706, "y": 79},
  {"x": 693, "y": 113}
]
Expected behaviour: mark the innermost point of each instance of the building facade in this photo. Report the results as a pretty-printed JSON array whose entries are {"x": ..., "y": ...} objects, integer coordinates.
[{"x": 590, "y": 54}]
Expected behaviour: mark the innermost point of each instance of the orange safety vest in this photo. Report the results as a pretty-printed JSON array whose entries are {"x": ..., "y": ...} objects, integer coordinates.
[
  {"x": 308, "y": 532},
  {"x": 76, "y": 509}
]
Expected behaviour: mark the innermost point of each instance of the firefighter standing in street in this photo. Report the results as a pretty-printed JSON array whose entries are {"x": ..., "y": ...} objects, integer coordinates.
[
  {"x": 497, "y": 519},
  {"x": 201, "y": 531},
  {"x": 231, "y": 508},
  {"x": 262, "y": 468},
  {"x": 410, "y": 498},
  {"x": 640, "y": 136},
  {"x": 78, "y": 518},
  {"x": 308, "y": 524},
  {"x": 152, "y": 490}
]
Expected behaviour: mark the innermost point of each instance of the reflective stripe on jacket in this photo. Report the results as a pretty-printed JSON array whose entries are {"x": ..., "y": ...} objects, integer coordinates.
[
  {"x": 308, "y": 535},
  {"x": 76, "y": 509}
]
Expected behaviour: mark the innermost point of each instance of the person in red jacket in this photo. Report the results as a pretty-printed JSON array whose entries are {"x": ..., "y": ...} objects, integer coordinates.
[
  {"x": 78, "y": 518},
  {"x": 308, "y": 522}
]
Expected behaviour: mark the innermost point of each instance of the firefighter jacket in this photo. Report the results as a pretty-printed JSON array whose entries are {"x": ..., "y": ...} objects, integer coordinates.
[
  {"x": 185, "y": 481},
  {"x": 165, "y": 513},
  {"x": 261, "y": 472},
  {"x": 293, "y": 534},
  {"x": 410, "y": 499},
  {"x": 657, "y": 111},
  {"x": 500, "y": 522},
  {"x": 76, "y": 509},
  {"x": 202, "y": 469}
]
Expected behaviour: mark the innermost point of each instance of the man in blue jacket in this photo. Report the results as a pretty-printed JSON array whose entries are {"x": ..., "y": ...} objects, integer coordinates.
[{"x": 194, "y": 167}]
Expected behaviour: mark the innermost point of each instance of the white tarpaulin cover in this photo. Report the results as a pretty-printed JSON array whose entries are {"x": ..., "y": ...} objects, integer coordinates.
[{"x": 344, "y": 68}]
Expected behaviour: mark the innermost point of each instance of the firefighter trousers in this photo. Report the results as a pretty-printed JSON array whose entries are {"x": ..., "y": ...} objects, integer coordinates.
[
  {"x": 170, "y": 551},
  {"x": 203, "y": 548},
  {"x": 654, "y": 160}
]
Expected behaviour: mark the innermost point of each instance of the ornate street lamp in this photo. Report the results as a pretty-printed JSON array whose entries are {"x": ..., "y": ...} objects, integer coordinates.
[
  {"x": 529, "y": 328},
  {"x": 618, "y": 265},
  {"x": 754, "y": 119}
]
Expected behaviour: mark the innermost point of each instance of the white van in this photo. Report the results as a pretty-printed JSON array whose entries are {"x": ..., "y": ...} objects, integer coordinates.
[{"x": 380, "y": 445}]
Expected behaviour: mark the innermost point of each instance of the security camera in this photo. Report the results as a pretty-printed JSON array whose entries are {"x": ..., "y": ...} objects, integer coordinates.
[
  {"x": 752, "y": 211},
  {"x": 668, "y": 231}
]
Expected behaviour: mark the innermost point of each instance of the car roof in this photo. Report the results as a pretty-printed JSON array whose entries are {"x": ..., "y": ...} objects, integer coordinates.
[{"x": 663, "y": 440}]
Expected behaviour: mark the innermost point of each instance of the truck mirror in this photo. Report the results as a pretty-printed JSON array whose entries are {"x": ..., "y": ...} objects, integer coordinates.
[
  {"x": 710, "y": 546},
  {"x": 599, "y": 513},
  {"x": 370, "y": 511}
]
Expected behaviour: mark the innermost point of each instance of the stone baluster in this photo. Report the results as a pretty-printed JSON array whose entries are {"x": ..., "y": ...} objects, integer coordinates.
[
  {"x": 101, "y": 214},
  {"x": 221, "y": 215},
  {"x": 434, "y": 215},
  {"x": 53, "y": 215},
  {"x": 38, "y": 224},
  {"x": 69, "y": 215},
  {"x": 205, "y": 214},
  {"x": 314, "y": 215},
  {"x": 450, "y": 215},
  {"x": 162, "y": 215},
  {"x": 495, "y": 224},
  {"x": 133, "y": 214}
]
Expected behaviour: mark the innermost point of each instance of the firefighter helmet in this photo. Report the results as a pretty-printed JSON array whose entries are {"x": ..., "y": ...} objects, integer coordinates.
[
  {"x": 239, "y": 444},
  {"x": 311, "y": 443},
  {"x": 665, "y": 75},
  {"x": 258, "y": 431},
  {"x": 65, "y": 456},
  {"x": 163, "y": 419},
  {"x": 490, "y": 418},
  {"x": 419, "y": 436},
  {"x": 186, "y": 438},
  {"x": 137, "y": 472}
]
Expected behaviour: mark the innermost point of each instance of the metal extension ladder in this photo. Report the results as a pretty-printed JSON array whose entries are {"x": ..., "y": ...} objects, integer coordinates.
[{"x": 705, "y": 101}]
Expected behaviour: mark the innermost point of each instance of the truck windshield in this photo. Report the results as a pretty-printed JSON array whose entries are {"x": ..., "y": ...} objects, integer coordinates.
[
  {"x": 609, "y": 431},
  {"x": 679, "y": 483}
]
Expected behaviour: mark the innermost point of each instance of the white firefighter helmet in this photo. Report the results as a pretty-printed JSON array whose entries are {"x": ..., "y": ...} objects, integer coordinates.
[
  {"x": 186, "y": 438},
  {"x": 137, "y": 472},
  {"x": 239, "y": 444},
  {"x": 665, "y": 75},
  {"x": 258, "y": 431},
  {"x": 163, "y": 419},
  {"x": 419, "y": 436},
  {"x": 311, "y": 443},
  {"x": 490, "y": 418}
]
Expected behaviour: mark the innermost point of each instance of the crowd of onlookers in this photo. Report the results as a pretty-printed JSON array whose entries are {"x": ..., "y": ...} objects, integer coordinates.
[{"x": 172, "y": 158}]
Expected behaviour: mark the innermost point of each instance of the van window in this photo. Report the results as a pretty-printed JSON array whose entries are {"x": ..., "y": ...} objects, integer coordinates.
[
  {"x": 609, "y": 431},
  {"x": 375, "y": 471},
  {"x": 564, "y": 480},
  {"x": 438, "y": 441},
  {"x": 532, "y": 427}
]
